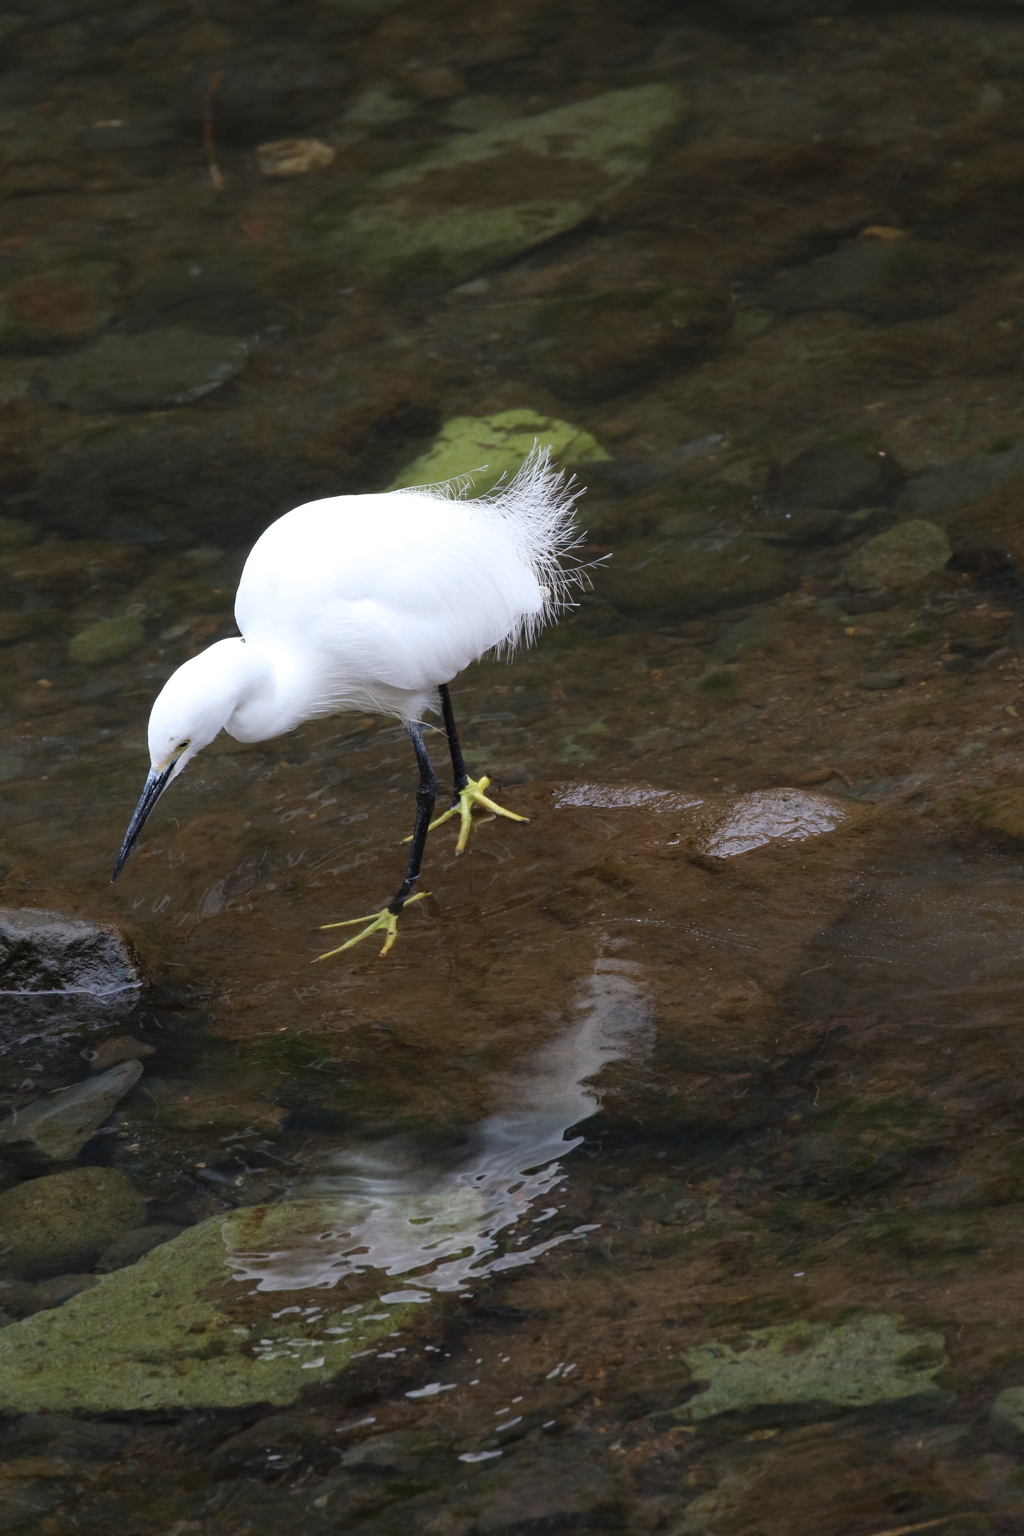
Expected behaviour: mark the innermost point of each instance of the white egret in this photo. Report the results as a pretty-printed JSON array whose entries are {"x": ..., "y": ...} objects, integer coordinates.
[{"x": 373, "y": 603}]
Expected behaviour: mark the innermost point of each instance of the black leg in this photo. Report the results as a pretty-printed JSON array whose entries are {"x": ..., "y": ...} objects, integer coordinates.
[
  {"x": 426, "y": 793},
  {"x": 458, "y": 763}
]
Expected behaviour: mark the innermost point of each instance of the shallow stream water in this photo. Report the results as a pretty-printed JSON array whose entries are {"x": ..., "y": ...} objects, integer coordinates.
[{"x": 668, "y": 1175}]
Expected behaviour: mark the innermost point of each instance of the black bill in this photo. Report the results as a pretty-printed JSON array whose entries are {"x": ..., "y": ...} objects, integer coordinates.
[{"x": 156, "y": 783}]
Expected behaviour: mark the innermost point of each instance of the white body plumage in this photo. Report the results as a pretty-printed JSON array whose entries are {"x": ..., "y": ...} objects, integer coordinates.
[{"x": 369, "y": 603}]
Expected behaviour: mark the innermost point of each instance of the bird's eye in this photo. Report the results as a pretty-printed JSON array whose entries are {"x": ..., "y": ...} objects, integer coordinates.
[{"x": 179, "y": 749}]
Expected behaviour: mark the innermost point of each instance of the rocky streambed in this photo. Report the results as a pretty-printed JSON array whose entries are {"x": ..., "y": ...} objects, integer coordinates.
[{"x": 666, "y": 1176}]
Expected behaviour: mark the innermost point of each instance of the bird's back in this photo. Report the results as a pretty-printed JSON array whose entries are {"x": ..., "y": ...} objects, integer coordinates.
[{"x": 405, "y": 588}]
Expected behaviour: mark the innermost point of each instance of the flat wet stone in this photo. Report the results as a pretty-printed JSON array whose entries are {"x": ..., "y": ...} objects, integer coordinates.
[
  {"x": 178, "y": 1330},
  {"x": 941, "y": 491},
  {"x": 490, "y": 195},
  {"x": 874, "y": 1359},
  {"x": 62, "y": 1222},
  {"x": 487, "y": 449},
  {"x": 57, "y": 1128},
  {"x": 136, "y": 373}
]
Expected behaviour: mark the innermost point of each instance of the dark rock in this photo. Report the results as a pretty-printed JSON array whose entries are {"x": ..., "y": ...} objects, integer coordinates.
[
  {"x": 205, "y": 292},
  {"x": 47, "y": 952},
  {"x": 604, "y": 343},
  {"x": 883, "y": 279},
  {"x": 171, "y": 366},
  {"x": 552, "y": 1487},
  {"x": 149, "y": 483},
  {"x": 264, "y": 93},
  {"x": 939, "y": 491},
  {"x": 841, "y": 475},
  {"x": 672, "y": 576},
  {"x": 60, "y": 1224},
  {"x": 56, "y": 1128},
  {"x": 130, "y": 1248}
]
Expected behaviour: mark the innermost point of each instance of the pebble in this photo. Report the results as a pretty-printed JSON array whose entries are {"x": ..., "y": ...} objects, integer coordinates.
[
  {"x": 57, "y": 1128},
  {"x": 61, "y": 1223},
  {"x": 293, "y": 157}
]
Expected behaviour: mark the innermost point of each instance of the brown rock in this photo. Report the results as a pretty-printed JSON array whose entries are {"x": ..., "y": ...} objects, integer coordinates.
[{"x": 110, "y": 1053}]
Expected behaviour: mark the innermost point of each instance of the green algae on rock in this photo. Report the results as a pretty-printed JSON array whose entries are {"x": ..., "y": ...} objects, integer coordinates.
[
  {"x": 171, "y": 366},
  {"x": 178, "y": 1330},
  {"x": 873, "y": 1359},
  {"x": 65, "y": 1221},
  {"x": 487, "y": 196},
  {"x": 899, "y": 557},
  {"x": 489, "y": 447},
  {"x": 108, "y": 640}
]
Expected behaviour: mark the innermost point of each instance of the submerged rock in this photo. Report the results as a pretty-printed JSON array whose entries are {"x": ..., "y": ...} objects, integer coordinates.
[
  {"x": 1008, "y": 1414},
  {"x": 956, "y": 485},
  {"x": 63, "y": 1222},
  {"x": 886, "y": 280},
  {"x": 135, "y": 373},
  {"x": 43, "y": 952},
  {"x": 487, "y": 196},
  {"x": 679, "y": 577},
  {"x": 47, "y": 309},
  {"x": 871, "y": 1360},
  {"x": 903, "y": 555},
  {"x": 842, "y": 475},
  {"x": 489, "y": 447},
  {"x": 178, "y": 1330},
  {"x": 57, "y": 1128},
  {"x": 106, "y": 641}
]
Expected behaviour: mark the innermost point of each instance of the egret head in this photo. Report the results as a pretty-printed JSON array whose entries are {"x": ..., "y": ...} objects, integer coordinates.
[{"x": 194, "y": 705}]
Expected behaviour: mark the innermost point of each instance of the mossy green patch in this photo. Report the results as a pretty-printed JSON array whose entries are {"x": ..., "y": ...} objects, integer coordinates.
[
  {"x": 109, "y": 640},
  {"x": 486, "y": 448},
  {"x": 484, "y": 197},
  {"x": 870, "y": 1360},
  {"x": 179, "y": 1330}
]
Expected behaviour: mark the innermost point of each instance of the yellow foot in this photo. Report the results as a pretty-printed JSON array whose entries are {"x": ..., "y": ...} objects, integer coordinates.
[
  {"x": 377, "y": 922},
  {"x": 473, "y": 794}
]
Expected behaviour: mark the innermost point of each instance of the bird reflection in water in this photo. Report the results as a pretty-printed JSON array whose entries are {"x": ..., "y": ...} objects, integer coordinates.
[{"x": 446, "y": 1229}]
